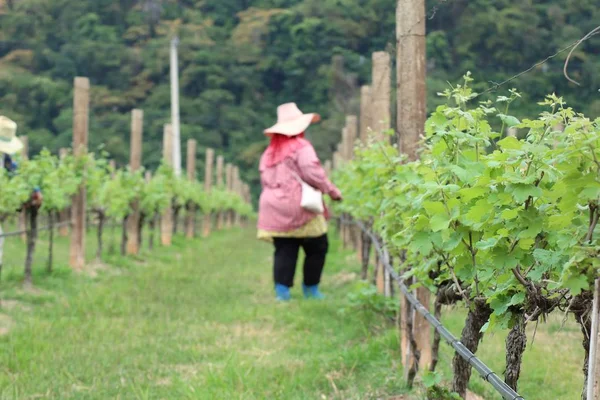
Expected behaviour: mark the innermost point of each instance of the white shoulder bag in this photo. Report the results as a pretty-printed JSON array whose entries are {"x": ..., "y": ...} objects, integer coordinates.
[{"x": 312, "y": 199}]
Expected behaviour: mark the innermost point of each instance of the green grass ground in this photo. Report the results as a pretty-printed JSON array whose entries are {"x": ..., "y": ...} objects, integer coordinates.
[{"x": 198, "y": 321}]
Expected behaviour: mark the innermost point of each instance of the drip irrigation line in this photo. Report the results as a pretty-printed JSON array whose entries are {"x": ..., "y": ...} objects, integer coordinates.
[{"x": 484, "y": 371}]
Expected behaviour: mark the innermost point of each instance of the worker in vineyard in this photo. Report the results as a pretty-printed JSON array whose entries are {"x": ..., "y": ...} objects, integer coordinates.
[
  {"x": 289, "y": 162},
  {"x": 9, "y": 145}
]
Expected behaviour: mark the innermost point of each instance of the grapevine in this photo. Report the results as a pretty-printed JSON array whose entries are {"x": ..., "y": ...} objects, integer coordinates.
[
  {"x": 111, "y": 195},
  {"x": 506, "y": 225}
]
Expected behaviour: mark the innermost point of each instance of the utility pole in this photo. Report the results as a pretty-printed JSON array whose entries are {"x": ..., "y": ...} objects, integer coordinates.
[
  {"x": 175, "y": 107},
  {"x": 166, "y": 224}
]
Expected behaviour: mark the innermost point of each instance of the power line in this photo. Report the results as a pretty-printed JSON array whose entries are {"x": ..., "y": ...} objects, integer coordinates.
[
  {"x": 572, "y": 46},
  {"x": 566, "y": 66}
]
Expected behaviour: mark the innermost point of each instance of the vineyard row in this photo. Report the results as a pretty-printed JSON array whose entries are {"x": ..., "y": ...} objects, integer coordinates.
[
  {"x": 495, "y": 213},
  {"x": 77, "y": 183}
]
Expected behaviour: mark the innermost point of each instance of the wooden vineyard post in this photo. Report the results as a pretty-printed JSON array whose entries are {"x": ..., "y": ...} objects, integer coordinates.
[
  {"x": 381, "y": 93},
  {"x": 352, "y": 129},
  {"x": 593, "y": 378},
  {"x": 236, "y": 190},
  {"x": 23, "y": 214},
  {"x": 365, "y": 114},
  {"x": 327, "y": 168},
  {"x": 166, "y": 225},
  {"x": 248, "y": 198},
  {"x": 243, "y": 188},
  {"x": 412, "y": 114},
  {"x": 558, "y": 128},
  {"x": 135, "y": 163},
  {"x": 64, "y": 215},
  {"x": 190, "y": 223},
  {"x": 337, "y": 161},
  {"x": 229, "y": 187},
  {"x": 81, "y": 104},
  {"x": 344, "y": 156},
  {"x": 365, "y": 124},
  {"x": 380, "y": 117},
  {"x": 220, "y": 170},
  {"x": 25, "y": 150},
  {"x": 208, "y": 183}
]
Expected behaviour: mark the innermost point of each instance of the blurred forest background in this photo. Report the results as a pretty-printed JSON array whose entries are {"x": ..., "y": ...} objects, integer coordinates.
[{"x": 239, "y": 59}]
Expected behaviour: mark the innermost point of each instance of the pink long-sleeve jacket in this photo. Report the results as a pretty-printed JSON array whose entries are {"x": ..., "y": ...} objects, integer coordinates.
[{"x": 279, "y": 205}]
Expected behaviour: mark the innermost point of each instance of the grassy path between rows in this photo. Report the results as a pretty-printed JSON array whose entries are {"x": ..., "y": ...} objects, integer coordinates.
[{"x": 198, "y": 321}]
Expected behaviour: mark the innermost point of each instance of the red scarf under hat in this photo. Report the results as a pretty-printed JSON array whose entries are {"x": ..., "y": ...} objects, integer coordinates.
[{"x": 281, "y": 147}]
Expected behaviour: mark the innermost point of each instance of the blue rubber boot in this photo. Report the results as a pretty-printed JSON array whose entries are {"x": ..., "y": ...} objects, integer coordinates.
[
  {"x": 312, "y": 292},
  {"x": 282, "y": 292}
]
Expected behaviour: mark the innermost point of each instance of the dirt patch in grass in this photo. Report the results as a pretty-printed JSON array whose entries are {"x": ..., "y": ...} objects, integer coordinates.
[
  {"x": 14, "y": 305},
  {"x": 343, "y": 278},
  {"x": 261, "y": 340},
  {"x": 248, "y": 330},
  {"x": 93, "y": 268},
  {"x": 473, "y": 396},
  {"x": 32, "y": 290},
  {"x": 163, "y": 382},
  {"x": 6, "y": 324},
  {"x": 187, "y": 371}
]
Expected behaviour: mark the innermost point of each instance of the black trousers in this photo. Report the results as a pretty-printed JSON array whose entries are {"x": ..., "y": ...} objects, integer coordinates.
[{"x": 286, "y": 258}]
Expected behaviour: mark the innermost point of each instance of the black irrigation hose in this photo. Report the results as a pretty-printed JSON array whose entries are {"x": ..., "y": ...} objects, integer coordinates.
[{"x": 486, "y": 373}]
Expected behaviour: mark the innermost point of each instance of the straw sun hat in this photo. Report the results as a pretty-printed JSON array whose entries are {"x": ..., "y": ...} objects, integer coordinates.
[
  {"x": 9, "y": 143},
  {"x": 291, "y": 121}
]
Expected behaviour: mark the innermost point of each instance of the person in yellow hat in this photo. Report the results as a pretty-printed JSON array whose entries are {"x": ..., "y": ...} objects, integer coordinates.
[{"x": 9, "y": 145}]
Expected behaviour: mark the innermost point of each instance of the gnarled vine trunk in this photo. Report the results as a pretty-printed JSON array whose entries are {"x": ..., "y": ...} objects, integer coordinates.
[
  {"x": 1, "y": 247},
  {"x": 470, "y": 337},
  {"x": 414, "y": 355},
  {"x": 124, "y": 236},
  {"x": 516, "y": 342},
  {"x": 152, "y": 231},
  {"x": 176, "y": 219},
  {"x": 435, "y": 348},
  {"x": 113, "y": 237},
  {"x": 32, "y": 212},
  {"x": 99, "y": 248},
  {"x": 366, "y": 255},
  {"x": 581, "y": 306},
  {"x": 50, "y": 242},
  {"x": 140, "y": 229}
]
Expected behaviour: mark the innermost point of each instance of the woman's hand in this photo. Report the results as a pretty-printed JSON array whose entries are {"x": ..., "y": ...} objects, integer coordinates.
[{"x": 336, "y": 195}]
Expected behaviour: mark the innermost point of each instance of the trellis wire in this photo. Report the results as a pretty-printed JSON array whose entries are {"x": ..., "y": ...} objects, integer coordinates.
[
  {"x": 48, "y": 227},
  {"x": 40, "y": 229}
]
